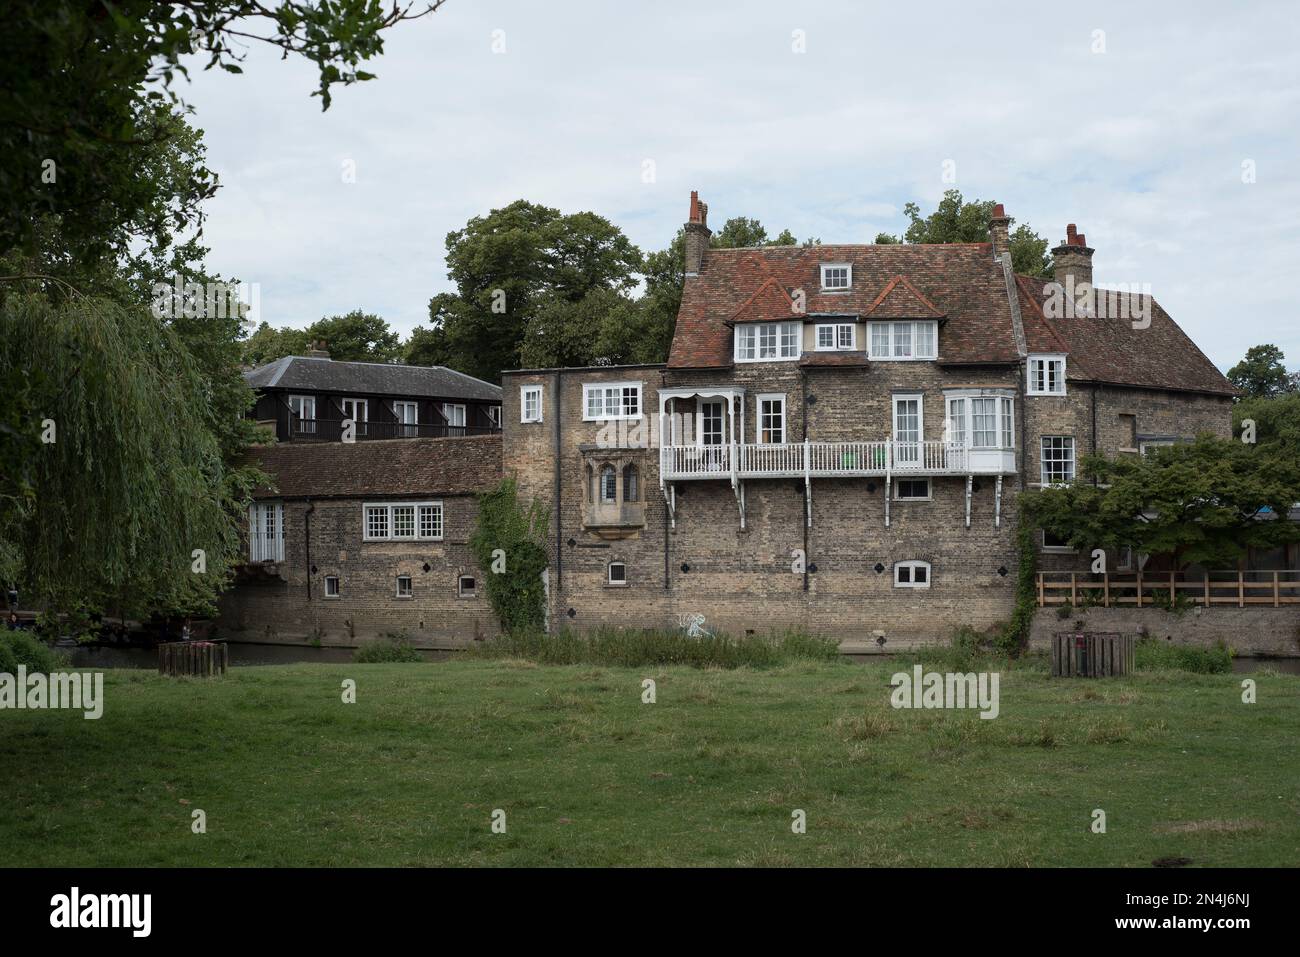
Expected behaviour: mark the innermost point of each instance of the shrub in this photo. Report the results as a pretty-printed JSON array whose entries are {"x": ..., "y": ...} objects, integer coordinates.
[
  {"x": 27, "y": 650},
  {"x": 635, "y": 647},
  {"x": 392, "y": 647},
  {"x": 1154, "y": 655},
  {"x": 8, "y": 660}
]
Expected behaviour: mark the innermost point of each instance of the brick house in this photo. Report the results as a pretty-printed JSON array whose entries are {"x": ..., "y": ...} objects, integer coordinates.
[
  {"x": 355, "y": 540},
  {"x": 311, "y": 397},
  {"x": 840, "y": 434}
]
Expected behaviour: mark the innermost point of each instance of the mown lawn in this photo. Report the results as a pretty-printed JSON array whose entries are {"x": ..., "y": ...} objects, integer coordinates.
[{"x": 287, "y": 774}]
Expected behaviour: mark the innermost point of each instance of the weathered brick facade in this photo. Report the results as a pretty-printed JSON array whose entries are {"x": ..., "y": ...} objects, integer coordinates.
[{"x": 694, "y": 558}]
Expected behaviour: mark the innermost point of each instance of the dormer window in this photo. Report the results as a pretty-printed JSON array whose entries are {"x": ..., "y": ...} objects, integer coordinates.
[
  {"x": 836, "y": 336},
  {"x": 768, "y": 341},
  {"x": 1046, "y": 375},
  {"x": 836, "y": 277}
]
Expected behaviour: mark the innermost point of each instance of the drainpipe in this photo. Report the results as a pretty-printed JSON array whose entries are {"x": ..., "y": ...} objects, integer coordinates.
[
  {"x": 559, "y": 532},
  {"x": 803, "y": 381},
  {"x": 663, "y": 384},
  {"x": 306, "y": 524},
  {"x": 1094, "y": 423}
]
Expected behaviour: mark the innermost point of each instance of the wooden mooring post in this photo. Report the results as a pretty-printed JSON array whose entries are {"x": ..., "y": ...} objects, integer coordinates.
[
  {"x": 200, "y": 659},
  {"x": 1082, "y": 654}
]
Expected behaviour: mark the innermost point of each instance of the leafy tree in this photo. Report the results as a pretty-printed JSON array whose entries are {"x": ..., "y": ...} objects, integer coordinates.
[
  {"x": 956, "y": 221},
  {"x": 269, "y": 343},
  {"x": 510, "y": 265},
  {"x": 80, "y": 78},
  {"x": 129, "y": 478},
  {"x": 1204, "y": 502},
  {"x": 356, "y": 337},
  {"x": 1262, "y": 373}
]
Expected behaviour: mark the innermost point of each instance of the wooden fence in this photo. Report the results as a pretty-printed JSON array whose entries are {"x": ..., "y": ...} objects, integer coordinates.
[
  {"x": 1078, "y": 654},
  {"x": 200, "y": 659},
  {"x": 1162, "y": 589}
]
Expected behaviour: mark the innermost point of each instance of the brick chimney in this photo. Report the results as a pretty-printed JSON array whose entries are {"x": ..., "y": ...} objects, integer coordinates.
[
  {"x": 697, "y": 235},
  {"x": 1073, "y": 258},
  {"x": 999, "y": 231},
  {"x": 318, "y": 350}
]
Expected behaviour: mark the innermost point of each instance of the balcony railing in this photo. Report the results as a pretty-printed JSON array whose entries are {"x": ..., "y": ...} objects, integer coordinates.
[
  {"x": 331, "y": 430},
  {"x": 831, "y": 459},
  {"x": 1165, "y": 589}
]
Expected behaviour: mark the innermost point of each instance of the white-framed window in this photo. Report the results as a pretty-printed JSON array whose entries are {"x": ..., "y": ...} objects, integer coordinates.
[
  {"x": 915, "y": 574},
  {"x": 1147, "y": 446},
  {"x": 454, "y": 414},
  {"x": 904, "y": 341},
  {"x": 530, "y": 403},
  {"x": 770, "y": 425},
  {"x": 836, "y": 336},
  {"x": 401, "y": 521},
  {"x": 1046, "y": 375},
  {"x": 266, "y": 532},
  {"x": 611, "y": 400},
  {"x": 466, "y": 586},
  {"x": 1057, "y": 461},
  {"x": 331, "y": 586},
  {"x": 1055, "y": 544},
  {"x": 980, "y": 421},
  {"x": 768, "y": 341},
  {"x": 404, "y": 586},
  {"x": 837, "y": 276},
  {"x": 494, "y": 415},
  {"x": 909, "y": 418},
  {"x": 408, "y": 418},
  {"x": 304, "y": 408},
  {"x": 617, "y": 574},
  {"x": 912, "y": 490}
]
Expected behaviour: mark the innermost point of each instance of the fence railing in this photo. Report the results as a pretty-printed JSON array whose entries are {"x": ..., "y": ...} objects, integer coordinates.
[
  {"x": 817, "y": 459},
  {"x": 331, "y": 430},
  {"x": 1164, "y": 589}
]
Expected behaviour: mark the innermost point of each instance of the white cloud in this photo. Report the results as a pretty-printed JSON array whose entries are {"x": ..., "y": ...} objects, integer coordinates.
[{"x": 1140, "y": 146}]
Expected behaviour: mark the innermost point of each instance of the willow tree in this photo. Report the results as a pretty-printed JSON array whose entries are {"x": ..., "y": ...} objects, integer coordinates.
[{"x": 116, "y": 498}]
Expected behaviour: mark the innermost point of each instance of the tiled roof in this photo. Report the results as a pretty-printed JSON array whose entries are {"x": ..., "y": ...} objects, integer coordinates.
[
  {"x": 314, "y": 374},
  {"x": 1111, "y": 350},
  {"x": 457, "y": 466},
  {"x": 960, "y": 281}
]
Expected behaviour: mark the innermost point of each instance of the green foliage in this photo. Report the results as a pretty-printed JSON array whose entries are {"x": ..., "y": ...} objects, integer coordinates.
[
  {"x": 134, "y": 480},
  {"x": 269, "y": 343},
  {"x": 1262, "y": 374},
  {"x": 1151, "y": 654},
  {"x": 21, "y": 648},
  {"x": 1016, "y": 634},
  {"x": 635, "y": 647},
  {"x": 956, "y": 221},
  {"x": 1277, "y": 423},
  {"x": 80, "y": 80},
  {"x": 514, "y": 534},
  {"x": 392, "y": 647},
  {"x": 1204, "y": 502}
]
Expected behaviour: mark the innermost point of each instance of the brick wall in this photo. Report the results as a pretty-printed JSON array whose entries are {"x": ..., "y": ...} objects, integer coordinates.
[{"x": 279, "y": 608}]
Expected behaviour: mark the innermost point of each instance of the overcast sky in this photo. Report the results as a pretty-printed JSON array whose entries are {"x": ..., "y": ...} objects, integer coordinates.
[{"x": 1141, "y": 145}]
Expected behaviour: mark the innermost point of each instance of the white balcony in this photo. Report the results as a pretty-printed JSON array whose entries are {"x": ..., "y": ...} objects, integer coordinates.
[{"x": 832, "y": 460}]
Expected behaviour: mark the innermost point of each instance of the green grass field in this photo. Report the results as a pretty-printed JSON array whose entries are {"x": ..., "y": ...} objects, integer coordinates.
[{"x": 587, "y": 774}]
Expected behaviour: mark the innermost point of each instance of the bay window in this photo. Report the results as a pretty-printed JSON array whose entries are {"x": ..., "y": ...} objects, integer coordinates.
[{"x": 981, "y": 420}]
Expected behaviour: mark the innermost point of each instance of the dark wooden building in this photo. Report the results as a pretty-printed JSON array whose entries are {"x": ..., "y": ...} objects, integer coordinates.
[{"x": 313, "y": 398}]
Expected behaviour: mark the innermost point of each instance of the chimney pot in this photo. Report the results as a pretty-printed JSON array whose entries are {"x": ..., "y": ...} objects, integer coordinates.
[
  {"x": 1073, "y": 259},
  {"x": 999, "y": 231},
  {"x": 697, "y": 235}
]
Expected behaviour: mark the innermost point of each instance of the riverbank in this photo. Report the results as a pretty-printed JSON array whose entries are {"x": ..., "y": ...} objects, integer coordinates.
[{"x": 288, "y": 774}]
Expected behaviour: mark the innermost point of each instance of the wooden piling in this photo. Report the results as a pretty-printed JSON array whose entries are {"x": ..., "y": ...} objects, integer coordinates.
[
  {"x": 202, "y": 659},
  {"x": 1078, "y": 654}
]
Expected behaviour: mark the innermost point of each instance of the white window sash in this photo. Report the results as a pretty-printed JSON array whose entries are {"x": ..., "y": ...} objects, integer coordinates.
[
  {"x": 768, "y": 341},
  {"x": 423, "y": 514},
  {"x": 776, "y": 400},
  {"x": 605, "y": 401},
  {"x": 530, "y": 403}
]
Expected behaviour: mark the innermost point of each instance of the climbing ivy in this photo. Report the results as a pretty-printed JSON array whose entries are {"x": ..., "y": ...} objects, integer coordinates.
[
  {"x": 509, "y": 544},
  {"x": 1016, "y": 635}
]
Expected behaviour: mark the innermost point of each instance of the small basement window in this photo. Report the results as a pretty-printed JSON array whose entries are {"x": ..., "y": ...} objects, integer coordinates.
[
  {"x": 912, "y": 490},
  {"x": 403, "y": 586},
  {"x": 617, "y": 573},
  {"x": 465, "y": 587},
  {"x": 912, "y": 575},
  {"x": 331, "y": 586}
]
